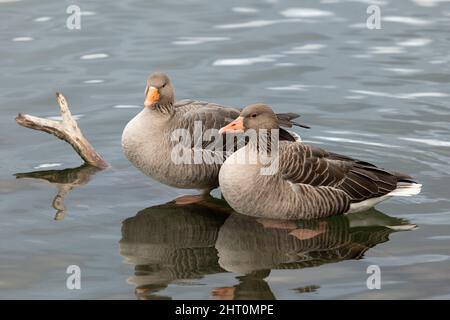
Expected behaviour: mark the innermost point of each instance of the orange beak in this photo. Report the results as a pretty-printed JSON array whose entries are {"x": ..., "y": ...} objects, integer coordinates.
[
  {"x": 151, "y": 96},
  {"x": 236, "y": 125}
]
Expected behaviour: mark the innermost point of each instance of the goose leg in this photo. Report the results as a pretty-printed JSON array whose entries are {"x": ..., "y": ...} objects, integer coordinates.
[{"x": 194, "y": 198}]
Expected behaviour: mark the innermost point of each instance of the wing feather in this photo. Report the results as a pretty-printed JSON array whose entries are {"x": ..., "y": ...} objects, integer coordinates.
[{"x": 360, "y": 180}]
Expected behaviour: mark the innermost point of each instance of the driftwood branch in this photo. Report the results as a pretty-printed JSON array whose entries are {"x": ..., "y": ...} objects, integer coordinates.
[{"x": 66, "y": 130}]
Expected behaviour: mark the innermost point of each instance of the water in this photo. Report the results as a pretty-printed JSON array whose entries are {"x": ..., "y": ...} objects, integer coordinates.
[{"x": 380, "y": 95}]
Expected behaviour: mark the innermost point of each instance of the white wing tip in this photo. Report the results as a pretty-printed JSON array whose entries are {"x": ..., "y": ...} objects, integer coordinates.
[{"x": 406, "y": 190}]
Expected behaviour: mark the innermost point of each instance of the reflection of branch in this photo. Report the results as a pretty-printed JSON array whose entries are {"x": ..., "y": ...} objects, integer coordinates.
[
  {"x": 66, "y": 130},
  {"x": 65, "y": 180}
]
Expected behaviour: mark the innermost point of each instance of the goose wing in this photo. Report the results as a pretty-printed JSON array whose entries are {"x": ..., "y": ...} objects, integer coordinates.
[{"x": 312, "y": 166}]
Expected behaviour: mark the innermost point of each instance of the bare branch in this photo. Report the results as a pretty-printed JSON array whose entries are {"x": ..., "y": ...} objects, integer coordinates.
[{"x": 66, "y": 130}]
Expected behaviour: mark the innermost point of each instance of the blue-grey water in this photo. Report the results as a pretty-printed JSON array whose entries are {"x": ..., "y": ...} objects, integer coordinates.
[{"x": 379, "y": 95}]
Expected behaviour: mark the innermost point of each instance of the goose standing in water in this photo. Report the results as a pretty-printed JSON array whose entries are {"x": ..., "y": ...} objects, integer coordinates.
[
  {"x": 148, "y": 143},
  {"x": 308, "y": 183}
]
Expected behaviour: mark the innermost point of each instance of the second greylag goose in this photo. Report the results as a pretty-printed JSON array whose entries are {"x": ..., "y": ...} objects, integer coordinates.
[
  {"x": 149, "y": 145},
  {"x": 308, "y": 182}
]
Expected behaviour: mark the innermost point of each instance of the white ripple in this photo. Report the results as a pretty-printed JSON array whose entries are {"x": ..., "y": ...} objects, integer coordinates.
[
  {"x": 376, "y": 2},
  {"x": 401, "y": 95},
  {"x": 351, "y": 133},
  {"x": 438, "y": 61},
  {"x": 306, "y": 49},
  {"x": 305, "y": 13},
  {"x": 255, "y": 24},
  {"x": 386, "y": 50},
  {"x": 88, "y": 13},
  {"x": 430, "y": 142},
  {"x": 243, "y": 61},
  {"x": 94, "y": 56},
  {"x": 356, "y": 141},
  {"x": 186, "y": 41},
  {"x": 429, "y": 3},
  {"x": 21, "y": 39},
  {"x": 416, "y": 42},
  {"x": 361, "y": 56},
  {"x": 285, "y": 64},
  {"x": 301, "y": 87},
  {"x": 407, "y": 20},
  {"x": 244, "y": 10},
  {"x": 48, "y": 165},
  {"x": 43, "y": 19},
  {"x": 426, "y": 94},
  {"x": 59, "y": 118},
  {"x": 406, "y": 260},
  {"x": 439, "y": 238},
  {"x": 403, "y": 70},
  {"x": 358, "y": 26},
  {"x": 355, "y": 97},
  {"x": 93, "y": 81}
]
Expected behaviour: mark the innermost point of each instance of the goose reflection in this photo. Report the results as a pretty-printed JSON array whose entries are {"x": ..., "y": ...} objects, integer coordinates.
[
  {"x": 65, "y": 180},
  {"x": 170, "y": 243}
]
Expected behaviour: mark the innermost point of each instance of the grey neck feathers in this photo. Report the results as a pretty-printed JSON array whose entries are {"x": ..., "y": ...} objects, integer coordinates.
[
  {"x": 166, "y": 109},
  {"x": 265, "y": 141}
]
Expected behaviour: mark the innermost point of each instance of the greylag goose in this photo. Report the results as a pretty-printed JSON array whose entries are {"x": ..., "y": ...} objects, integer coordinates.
[
  {"x": 149, "y": 145},
  {"x": 307, "y": 182}
]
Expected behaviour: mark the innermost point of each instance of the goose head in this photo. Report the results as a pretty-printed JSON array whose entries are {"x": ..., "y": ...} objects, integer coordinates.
[
  {"x": 255, "y": 116},
  {"x": 159, "y": 91}
]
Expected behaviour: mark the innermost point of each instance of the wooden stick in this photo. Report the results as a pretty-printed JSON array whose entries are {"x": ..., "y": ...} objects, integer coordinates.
[{"x": 66, "y": 130}]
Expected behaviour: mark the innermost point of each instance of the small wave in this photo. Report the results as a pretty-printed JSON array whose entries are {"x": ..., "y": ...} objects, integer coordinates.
[
  {"x": 186, "y": 41},
  {"x": 59, "y": 118},
  {"x": 430, "y": 142},
  {"x": 22, "y": 39},
  {"x": 305, "y": 13},
  {"x": 254, "y": 24},
  {"x": 406, "y": 260},
  {"x": 88, "y": 13},
  {"x": 429, "y": 3},
  {"x": 301, "y": 87},
  {"x": 416, "y": 42},
  {"x": 386, "y": 50},
  {"x": 244, "y": 10},
  {"x": 355, "y": 97},
  {"x": 306, "y": 49},
  {"x": 401, "y": 95},
  {"x": 403, "y": 70},
  {"x": 93, "y": 81},
  {"x": 439, "y": 238},
  {"x": 369, "y": 143},
  {"x": 48, "y": 165},
  {"x": 94, "y": 56},
  {"x": 406, "y": 20},
  {"x": 243, "y": 61},
  {"x": 351, "y": 133},
  {"x": 43, "y": 19},
  {"x": 285, "y": 64}
]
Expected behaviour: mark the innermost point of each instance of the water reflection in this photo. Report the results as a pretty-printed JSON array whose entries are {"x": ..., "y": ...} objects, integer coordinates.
[
  {"x": 170, "y": 244},
  {"x": 65, "y": 180}
]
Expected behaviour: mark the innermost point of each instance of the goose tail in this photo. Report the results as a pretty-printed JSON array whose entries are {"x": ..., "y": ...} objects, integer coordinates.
[{"x": 406, "y": 189}]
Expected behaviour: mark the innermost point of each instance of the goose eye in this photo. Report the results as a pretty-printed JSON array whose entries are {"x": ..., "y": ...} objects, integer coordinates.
[
  {"x": 163, "y": 85},
  {"x": 253, "y": 115}
]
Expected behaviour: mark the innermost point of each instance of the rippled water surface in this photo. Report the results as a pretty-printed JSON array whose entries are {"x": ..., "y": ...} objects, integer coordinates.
[{"x": 380, "y": 95}]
